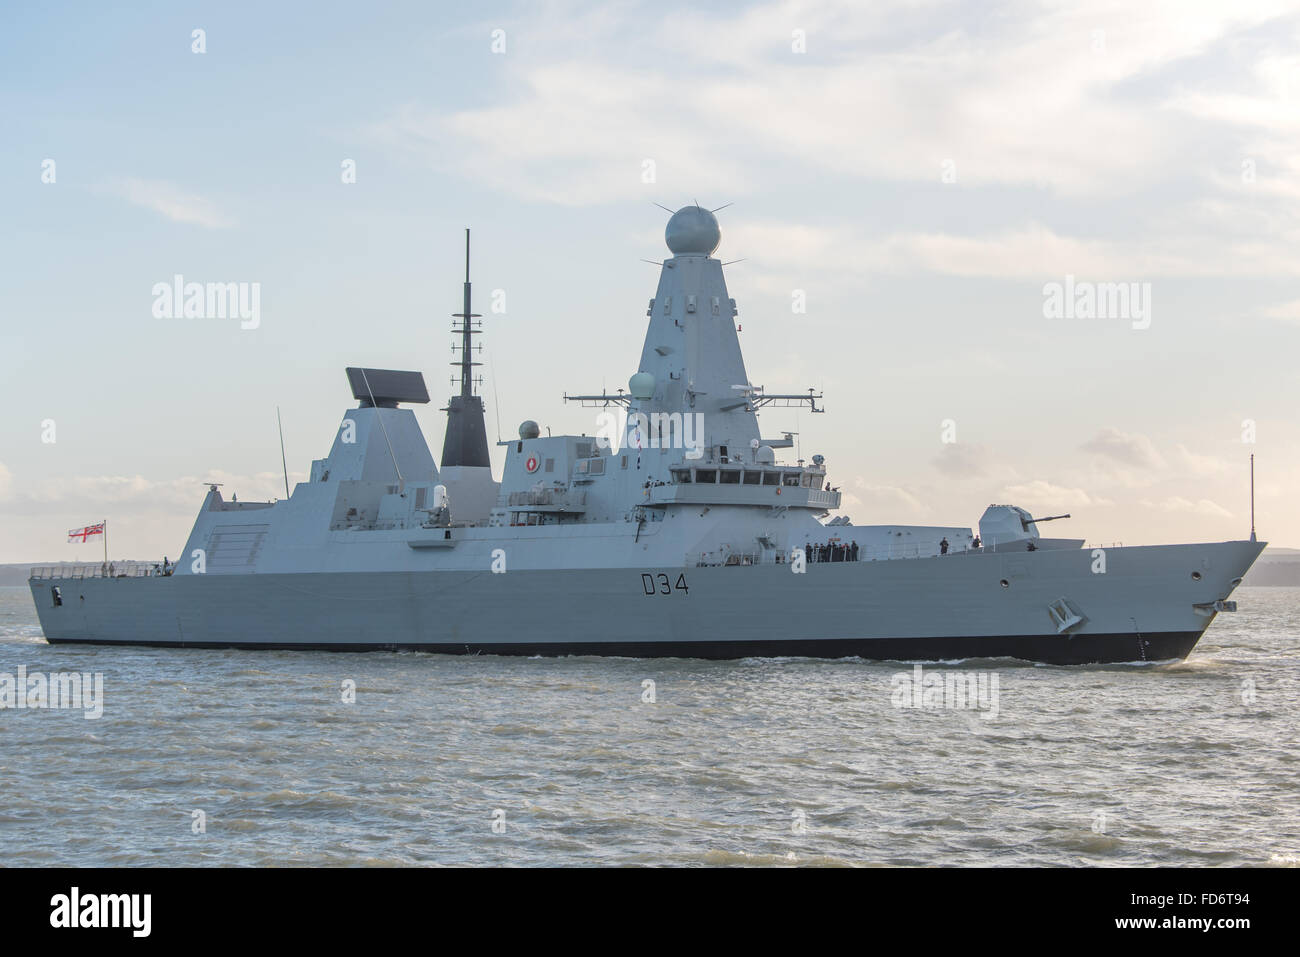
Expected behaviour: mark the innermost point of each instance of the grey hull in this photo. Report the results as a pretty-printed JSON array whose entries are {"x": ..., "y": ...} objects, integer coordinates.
[{"x": 1144, "y": 607}]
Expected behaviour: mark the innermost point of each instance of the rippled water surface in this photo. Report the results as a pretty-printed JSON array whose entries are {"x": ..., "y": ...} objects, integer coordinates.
[{"x": 789, "y": 761}]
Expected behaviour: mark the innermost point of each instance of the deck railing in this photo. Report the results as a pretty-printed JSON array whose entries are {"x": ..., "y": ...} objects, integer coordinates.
[
  {"x": 558, "y": 497},
  {"x": 875, "y": 553},
  {"x": 101, "y": 570},
  {"x": 726, "y": 557}
]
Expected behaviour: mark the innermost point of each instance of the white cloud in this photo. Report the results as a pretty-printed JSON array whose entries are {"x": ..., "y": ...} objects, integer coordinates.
[
  {"x": 1176, "y": 503},
  {"x": 881, "y": 498},
  {"x": 174, "y": 203},
  {"x": 1032, "y": 251},
  {"x": 136, "y": 491},
  {"x": 962, "y": 460},
  {"x": 1188, "y": 461},
  {"x": 1071, "y": 101},
  {"x": 1043, "y": 493},
  {"x": 586, "y": 116},
  {"x": 1137, "y": 450},
  {"x": 1286, "y": 311}
]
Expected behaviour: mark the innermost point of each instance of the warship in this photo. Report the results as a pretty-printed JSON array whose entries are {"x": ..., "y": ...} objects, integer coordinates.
[{"x": 677, "y": 529}]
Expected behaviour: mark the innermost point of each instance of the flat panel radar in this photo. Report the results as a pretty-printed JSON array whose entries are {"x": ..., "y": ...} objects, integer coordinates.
[{"x": 386, "y": 387}]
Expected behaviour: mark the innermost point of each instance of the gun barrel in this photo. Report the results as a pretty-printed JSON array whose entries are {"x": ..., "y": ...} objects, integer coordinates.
[{"x": 1049, "y": 518}]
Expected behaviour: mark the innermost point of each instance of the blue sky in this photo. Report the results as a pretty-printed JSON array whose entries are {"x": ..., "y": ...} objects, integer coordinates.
[{"x": 920, "y": 171}]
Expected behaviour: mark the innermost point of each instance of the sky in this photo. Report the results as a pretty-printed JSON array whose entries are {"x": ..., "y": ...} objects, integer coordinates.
[{"x": 922, "y": 177}]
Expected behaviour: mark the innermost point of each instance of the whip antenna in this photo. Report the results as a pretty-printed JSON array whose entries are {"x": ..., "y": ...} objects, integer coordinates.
[{"x": 283, "y": 461}]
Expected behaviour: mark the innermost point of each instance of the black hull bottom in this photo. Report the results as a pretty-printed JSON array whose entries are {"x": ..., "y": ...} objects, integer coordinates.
[{"x": 1048, "y": 649}]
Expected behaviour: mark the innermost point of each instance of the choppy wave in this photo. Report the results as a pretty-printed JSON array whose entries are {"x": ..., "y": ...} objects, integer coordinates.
[{"x": 237, "y": 758}]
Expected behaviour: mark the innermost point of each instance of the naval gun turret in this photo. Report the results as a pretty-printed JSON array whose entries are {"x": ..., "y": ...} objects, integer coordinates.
[{"x": 1010, "y": 528}]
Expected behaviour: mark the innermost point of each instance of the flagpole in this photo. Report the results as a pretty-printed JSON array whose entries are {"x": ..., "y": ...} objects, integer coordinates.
[
  {"x": 1252, "y": 496},
  {"x": 105, "y": 543}
]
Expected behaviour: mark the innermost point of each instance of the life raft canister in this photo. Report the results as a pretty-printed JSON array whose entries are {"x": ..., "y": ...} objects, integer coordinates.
[{"x": 532, "y": 463}]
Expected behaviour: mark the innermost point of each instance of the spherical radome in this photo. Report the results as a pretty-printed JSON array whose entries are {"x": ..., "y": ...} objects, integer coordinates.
[
  {"x": 529, "y": 429},
  {"x": 642, "y": 385},
  {"x": 693, "y": 230}
]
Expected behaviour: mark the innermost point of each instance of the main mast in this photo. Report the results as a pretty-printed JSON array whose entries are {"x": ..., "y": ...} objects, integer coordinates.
[
  {"x": 691, "y": 375},
  {"x": 465, "y": 442}
]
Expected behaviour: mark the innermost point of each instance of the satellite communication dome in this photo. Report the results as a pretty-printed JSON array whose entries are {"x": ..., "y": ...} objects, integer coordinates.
[
  {"x": 529, "y": 429},
  {"x": 693, "y": 230},
  {"x": 642, "y": 385},
  {"x": 765, "y": 455}
]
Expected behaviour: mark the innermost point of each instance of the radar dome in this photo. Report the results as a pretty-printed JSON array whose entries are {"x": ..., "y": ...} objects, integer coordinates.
[
  {"x": 642, "y": 385},
  {"x": 693, "y": 230},
  {"x": 528, "y": 429}
]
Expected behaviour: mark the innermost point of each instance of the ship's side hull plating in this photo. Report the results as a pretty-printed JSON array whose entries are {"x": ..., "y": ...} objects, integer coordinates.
[
  {"x": 1088, "y": 649},
  {"x": 1143, "y": 608}
]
